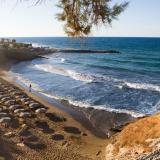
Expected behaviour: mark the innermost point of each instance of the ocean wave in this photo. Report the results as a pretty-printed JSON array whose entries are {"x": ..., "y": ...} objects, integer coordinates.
[
  {"x": 98, "y": 107},
  {"x": 106, "y": 108},
  {"x": 26, "y": 82},
  {"x": 73, "y": 74},
  {"x": 37, "y": 88},
  {"x": 120, "y": 83},
  {"x": 142, "y": 86},
  {"x": 65, "y": 72},
  {"x": 40, "y": 45},
  {"x": 62, "y": 60},
  {"x": 157, "y": 106}
]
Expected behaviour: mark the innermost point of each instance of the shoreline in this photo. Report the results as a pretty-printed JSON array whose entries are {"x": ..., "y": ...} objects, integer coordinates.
[
  {"x": 72, "y": 132},
  {"x": 100, "y": 122},
  {"x": 90, "y": 117},
  {"x": 57, "y": 105},
  {"x": 94, "y": 143},
  {"x": 96, "y": 147}
]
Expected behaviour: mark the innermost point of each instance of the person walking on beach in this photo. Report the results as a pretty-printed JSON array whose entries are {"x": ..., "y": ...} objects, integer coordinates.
[{"x": 30, "y": 87}]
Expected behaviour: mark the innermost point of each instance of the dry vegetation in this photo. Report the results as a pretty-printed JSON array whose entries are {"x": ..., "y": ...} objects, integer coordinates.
[{"x": 137, "y": 138}]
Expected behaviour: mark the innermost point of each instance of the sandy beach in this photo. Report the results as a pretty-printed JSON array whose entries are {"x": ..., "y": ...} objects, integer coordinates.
[
  {"x": 79, "y": 80},
  {"x": 50, "y": 135},
  {"x": 45, "y": 134}
]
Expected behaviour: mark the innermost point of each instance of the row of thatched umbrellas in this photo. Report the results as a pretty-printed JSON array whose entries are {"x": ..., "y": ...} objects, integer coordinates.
[{"x": 13, "y": 102}]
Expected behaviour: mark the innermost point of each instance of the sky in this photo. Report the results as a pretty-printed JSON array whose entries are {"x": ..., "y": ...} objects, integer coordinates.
[{"x": 141, "y": 19}]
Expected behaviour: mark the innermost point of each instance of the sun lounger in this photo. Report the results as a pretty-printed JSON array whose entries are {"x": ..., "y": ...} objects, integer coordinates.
[{"x": 24, "y": 114}]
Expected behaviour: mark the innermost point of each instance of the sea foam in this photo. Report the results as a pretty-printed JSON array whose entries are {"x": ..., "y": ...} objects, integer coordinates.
[
  {"x": 65, "y": 72},
  {"x": 98, "y": 107},
  {"x": 120, "y": 83},
  {"x": 37, "y": 88},
  {"x": 143, "y": 86},
  {"x": 27, "y": 82}
]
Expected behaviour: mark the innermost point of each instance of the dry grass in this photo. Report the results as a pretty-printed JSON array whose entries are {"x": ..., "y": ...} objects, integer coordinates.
[{"x": 138, "y": 132}]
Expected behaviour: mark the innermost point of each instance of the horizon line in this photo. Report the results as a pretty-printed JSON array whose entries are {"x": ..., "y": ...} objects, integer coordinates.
[{"x": 80, "y": 37}]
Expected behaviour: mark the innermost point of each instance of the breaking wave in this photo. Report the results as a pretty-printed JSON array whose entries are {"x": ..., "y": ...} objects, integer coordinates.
[
  {"x": 142, "y": 86},
  {"x": 62, "y": 60},
  {"x": 95, "y": 78},
  {"x": 26, "y": 82},
  {"x": 63, "y": 72},
  {"x": 37, "y": 88},
  {"x": 98, "y": 107}
]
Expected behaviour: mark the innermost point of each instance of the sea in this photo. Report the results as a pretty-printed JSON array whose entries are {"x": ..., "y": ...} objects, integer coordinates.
[{"x": 125, "y": 82}]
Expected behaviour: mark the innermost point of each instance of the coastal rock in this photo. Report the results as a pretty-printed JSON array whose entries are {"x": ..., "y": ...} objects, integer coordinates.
[
  {"x": 106, "y": 121},
  {"x": 137, "y": 141},
  {"x": 82, "y": 51},
  {"x": 155, "y": 155}
]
